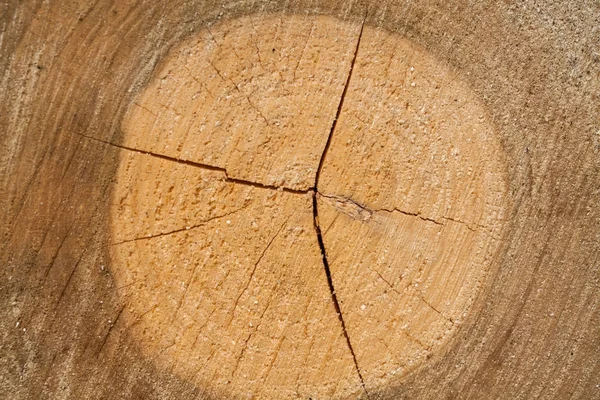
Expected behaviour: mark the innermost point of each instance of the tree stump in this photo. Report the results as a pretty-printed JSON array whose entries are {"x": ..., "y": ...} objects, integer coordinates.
[{"x": 276, "y": 201}]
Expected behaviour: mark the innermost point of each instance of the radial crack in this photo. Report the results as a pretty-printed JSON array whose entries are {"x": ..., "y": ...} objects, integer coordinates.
[
  {"x": 201, "y": 166},
  {"x": 418, "y": 215},
  {"x": 237, "y": 88},
  {"x": 411, "y": 214},
  {"x": 247, "y": 285},
  {"x": 187, "y": 228},
  {"x": 385, "y": 280},
  {"x": 334, "y": 298},
  {"x": 157, "y": 155},
  {"x": 436, "y": 310},
  {"x": 316, "y": 214},
  {"x": 339, "y": 109},
  {"x": 245, "y": 346},
  {"x": 359, "y": 211}
]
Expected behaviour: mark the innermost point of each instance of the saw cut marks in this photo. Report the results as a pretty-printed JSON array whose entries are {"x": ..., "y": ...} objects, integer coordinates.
[{"x": 304, "y": 208}]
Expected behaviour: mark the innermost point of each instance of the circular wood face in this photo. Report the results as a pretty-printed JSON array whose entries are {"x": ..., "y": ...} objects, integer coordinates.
[{"x": 277, "y": 160}]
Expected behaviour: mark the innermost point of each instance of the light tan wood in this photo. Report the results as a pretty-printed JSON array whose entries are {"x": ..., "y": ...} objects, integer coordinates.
[
  {"x": 223, "y": 279},
  {"x": 415, "y": 150},
  {"x": 255, "y": 96},
  {"x": 400, "y": 201},
  {"x": 226, "y": 286}
]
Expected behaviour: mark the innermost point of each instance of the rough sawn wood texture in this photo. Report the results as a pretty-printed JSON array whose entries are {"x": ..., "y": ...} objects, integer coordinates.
[{"x": 462, "y": 237}]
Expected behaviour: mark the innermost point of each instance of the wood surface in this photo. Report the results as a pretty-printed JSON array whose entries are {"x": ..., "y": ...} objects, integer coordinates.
[{"x": 295, "y": 199}]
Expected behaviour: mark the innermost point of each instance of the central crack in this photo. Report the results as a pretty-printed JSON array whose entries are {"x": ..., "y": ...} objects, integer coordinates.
[{"x": 315, "y": 191}]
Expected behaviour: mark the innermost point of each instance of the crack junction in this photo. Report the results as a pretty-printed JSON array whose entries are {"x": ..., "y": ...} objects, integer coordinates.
[{"x": 317, "y": 227}]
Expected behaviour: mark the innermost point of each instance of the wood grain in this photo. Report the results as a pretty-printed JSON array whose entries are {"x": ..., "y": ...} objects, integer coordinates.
[{"x": 72, "y": 74}]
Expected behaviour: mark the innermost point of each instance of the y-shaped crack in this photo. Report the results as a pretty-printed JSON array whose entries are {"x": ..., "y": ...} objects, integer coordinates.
[{"x": 315, "y": 191}]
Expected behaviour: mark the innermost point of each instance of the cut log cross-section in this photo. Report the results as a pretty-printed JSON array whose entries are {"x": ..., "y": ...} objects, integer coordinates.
[
  {"x": 304, "y": 207},
  {"x": 299, "y": 200}
]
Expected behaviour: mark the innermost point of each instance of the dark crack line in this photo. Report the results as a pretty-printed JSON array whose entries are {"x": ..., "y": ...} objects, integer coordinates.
[
  {"x": 64, "y": 289},
  {"x": 237, "y": 88},
  {"x": 201, "y": 327},
  {"x": 337, "y": 200},
  {"x": 418, "y": 215},
  {"x": 316, "y": 213},
  {"x": 56, "y": 253},
  {"x": 410, "y": 214},
  {"x": 334, "y": 298},
  {"x": 463, "y": 223},
  {"x": 436, "y": 310},
  {"x": 187, "y": 228},
  {"x": 157, "y": 155},
  {"x": 110, "y": 329},
  {"x": 250, "y": 335},
  {"x": 385, "y": 280},
  {"x": 339, "y": 109},
  {"x": 247, "y": 285},
  {"x": 199, "y": 165}
]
